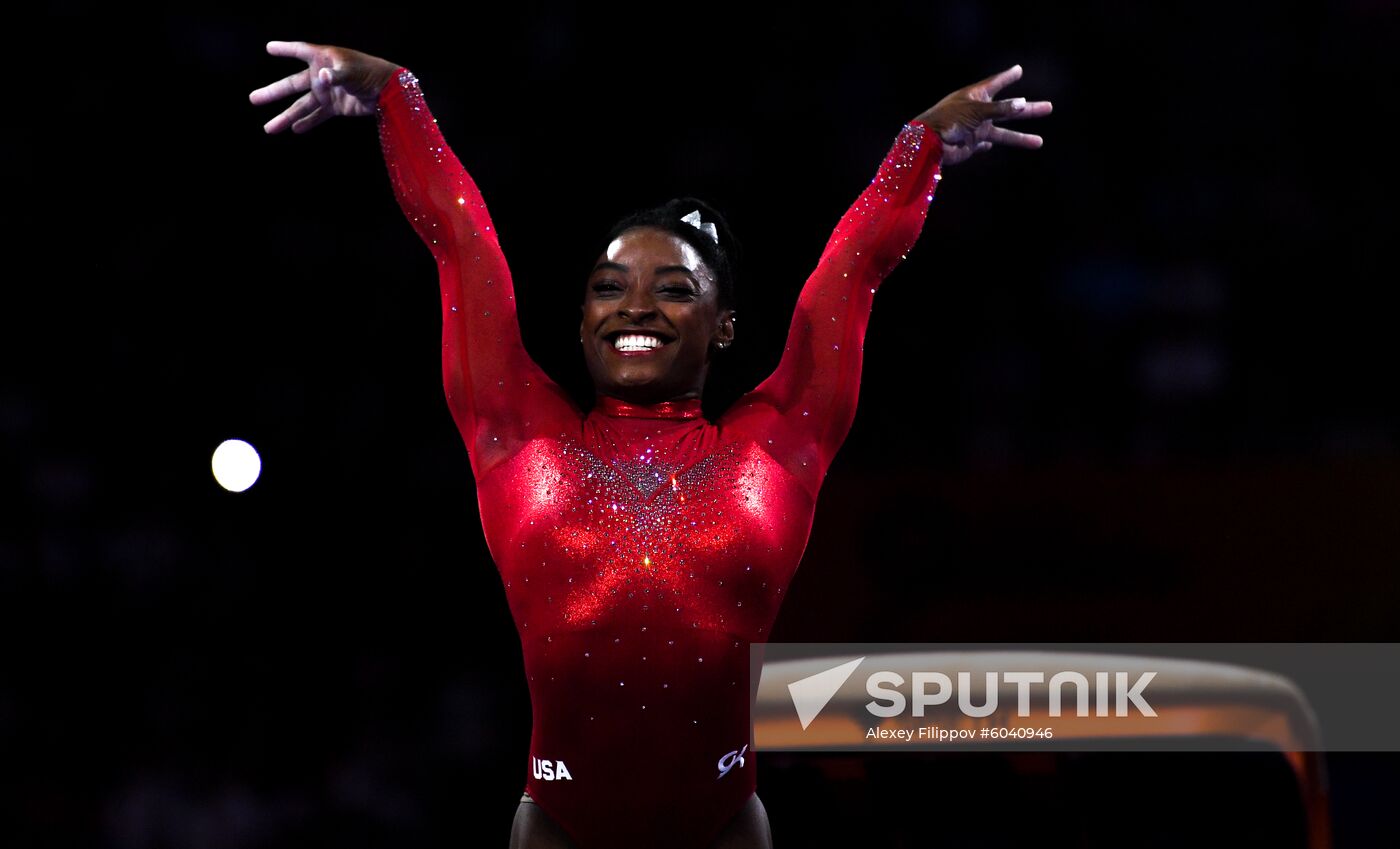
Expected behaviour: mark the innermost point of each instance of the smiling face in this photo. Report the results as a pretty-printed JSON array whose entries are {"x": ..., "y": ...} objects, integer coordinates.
[{"x": 652, "y": 293}]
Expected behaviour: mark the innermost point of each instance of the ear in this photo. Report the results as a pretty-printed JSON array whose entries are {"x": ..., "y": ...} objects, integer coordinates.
[{"x": 725, "y": 331}]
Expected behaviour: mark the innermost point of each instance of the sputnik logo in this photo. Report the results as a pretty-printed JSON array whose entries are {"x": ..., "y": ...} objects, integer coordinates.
[{"x": 810, "y": 694}]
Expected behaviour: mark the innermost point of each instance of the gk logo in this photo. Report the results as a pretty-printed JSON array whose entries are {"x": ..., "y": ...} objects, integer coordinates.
[{"x": 727, "y": 762}]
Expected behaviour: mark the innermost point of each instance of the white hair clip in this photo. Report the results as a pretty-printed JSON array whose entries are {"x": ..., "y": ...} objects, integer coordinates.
[{"x": 693, "y": 219}]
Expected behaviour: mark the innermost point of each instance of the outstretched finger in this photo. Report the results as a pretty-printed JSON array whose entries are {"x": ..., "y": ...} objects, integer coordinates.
[
  {"x": 996, "y": 82},
  {"x": 317, "y": 116},
  {"x": 1000, "y": 110},
  {"x": 1031, "y": 109},
  {"x": 300, "y": 81},
  {"x": 304, "y": 106},
  {"x": 1001, "y": 135},
  {"x": 296, "y": 49}
]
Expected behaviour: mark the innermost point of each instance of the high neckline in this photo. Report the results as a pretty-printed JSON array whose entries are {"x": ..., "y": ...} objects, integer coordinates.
[{"x": 685, "y": 408}]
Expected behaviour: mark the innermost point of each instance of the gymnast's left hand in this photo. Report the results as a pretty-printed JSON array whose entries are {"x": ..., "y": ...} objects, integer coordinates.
[{"x": 963, "y": 119}]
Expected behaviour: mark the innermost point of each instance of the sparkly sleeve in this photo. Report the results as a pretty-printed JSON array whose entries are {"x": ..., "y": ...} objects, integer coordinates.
[
  {"x": 498, "y": 396},
  {"x": 805, "y": 408}
]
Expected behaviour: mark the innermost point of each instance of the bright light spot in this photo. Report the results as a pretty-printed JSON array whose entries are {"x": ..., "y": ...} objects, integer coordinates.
[{"x": 236, "y": 465}]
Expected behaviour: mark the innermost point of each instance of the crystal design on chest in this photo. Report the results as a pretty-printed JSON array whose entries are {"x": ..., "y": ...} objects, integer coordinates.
[
  {"x": 636, "y": 530},
  {"x": 646, "y": 475}
]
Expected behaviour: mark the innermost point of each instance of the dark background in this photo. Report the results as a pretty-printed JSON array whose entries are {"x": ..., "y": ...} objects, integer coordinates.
[{"x": 1137, "y": 385}]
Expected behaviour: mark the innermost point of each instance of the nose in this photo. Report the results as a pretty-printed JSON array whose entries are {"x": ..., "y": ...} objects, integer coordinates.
[{"x": 637, "y": 303}]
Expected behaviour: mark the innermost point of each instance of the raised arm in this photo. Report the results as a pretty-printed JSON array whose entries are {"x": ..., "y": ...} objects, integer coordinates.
[
  {"x": 499, "y": 397},
  {"x": 806, "y": 407},
  {"x": 808, "y": 403}
]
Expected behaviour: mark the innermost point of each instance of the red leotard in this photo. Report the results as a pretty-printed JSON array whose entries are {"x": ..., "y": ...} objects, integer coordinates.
[{"x": 642, "y": 548}]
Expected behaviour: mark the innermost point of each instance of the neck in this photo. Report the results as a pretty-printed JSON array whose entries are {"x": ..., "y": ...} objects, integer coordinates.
[{"x": 687, "y": 407}]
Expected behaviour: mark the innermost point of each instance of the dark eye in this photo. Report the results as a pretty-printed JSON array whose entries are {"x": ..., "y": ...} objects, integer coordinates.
[
  {"x": 606, "y": 286},
  {"x": 679, "y": 290}
]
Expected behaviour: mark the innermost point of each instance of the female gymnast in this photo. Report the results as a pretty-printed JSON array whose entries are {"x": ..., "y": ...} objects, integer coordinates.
[{"x": 641, "y": 546}]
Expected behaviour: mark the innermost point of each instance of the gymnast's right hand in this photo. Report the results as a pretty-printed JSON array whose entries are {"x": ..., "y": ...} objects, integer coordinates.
[{"x": 337, "y": 81}]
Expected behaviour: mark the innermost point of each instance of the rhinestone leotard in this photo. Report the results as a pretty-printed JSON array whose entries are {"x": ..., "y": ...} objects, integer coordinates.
[{"x": 642, "y": 548}]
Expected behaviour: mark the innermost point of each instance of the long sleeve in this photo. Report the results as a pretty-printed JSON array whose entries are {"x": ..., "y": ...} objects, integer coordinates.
[
  {"x": 499, "y": 397},
  {"x": 807, "y": 405}
]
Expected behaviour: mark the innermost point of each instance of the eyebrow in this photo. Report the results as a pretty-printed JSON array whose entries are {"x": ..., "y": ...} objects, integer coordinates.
[{"x": 660, "y": 269}]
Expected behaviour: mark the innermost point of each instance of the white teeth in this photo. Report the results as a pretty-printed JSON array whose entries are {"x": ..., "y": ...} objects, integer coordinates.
[{"x": 636, "y": 342}]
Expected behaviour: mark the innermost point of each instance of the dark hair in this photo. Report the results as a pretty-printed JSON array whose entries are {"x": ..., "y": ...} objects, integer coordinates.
[{"x": 722, "y": 258}]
